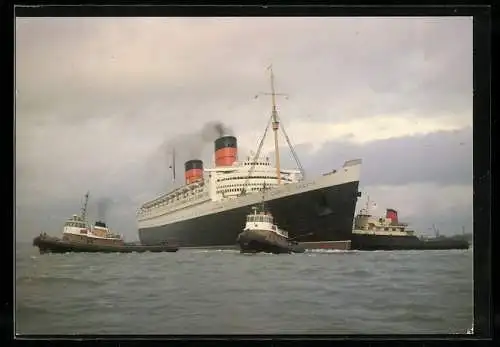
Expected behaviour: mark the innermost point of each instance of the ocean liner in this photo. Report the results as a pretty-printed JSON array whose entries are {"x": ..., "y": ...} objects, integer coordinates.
[{"x": 209, "y": 209}]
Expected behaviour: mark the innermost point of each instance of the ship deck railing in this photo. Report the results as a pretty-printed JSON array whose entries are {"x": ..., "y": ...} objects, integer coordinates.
[
  {"x": 174, "y": 197},
  {"x": 176, "y": 206},
  {"x": 177, "y": 191}
]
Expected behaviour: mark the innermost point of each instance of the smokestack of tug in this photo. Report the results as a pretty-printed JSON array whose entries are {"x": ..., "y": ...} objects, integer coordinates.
[
  {"x": 193, "y": 171},
  {"x": 226, "y": 150},
  {"x": 392, "y": 215}
]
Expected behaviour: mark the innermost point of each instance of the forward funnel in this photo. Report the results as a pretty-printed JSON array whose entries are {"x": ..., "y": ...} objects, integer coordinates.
[{"x": 193, "y": 171}]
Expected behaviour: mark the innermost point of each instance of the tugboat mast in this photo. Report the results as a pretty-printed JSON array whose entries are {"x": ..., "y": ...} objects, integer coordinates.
[
  {"x": 84, "y": 207},
  {"x": 367, "y": 206},
  {"x": 263, "y": 204}
]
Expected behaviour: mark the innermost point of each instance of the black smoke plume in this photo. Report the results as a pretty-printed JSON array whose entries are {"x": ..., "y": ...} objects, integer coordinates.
[
  {"x": 195, "y": 145},
  {"x": 190, "y": 146},
  {"x": 211, "y": 131},
  {"x": 219, "y": 128},
  {"x": 103, "y": 205}
]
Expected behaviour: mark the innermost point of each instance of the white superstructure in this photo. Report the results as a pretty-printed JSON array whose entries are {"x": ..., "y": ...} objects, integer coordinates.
[
  {"x": 367, "y": 224},
  {"x": 76, "y": 226},
  {"x": 222, "y": 189},
  {"x": 263, "y": 221}
]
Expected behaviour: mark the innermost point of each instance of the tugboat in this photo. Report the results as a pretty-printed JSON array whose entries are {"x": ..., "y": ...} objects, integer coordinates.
[
  {"x": 262, "y": 235},
  {"x": 388, "y": 233},
  {"x": 78, "y": 236}
]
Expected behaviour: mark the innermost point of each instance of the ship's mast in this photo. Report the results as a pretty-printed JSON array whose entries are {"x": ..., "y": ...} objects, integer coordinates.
[
  {"x": 276, "y": 125},
  {"x": 274, "y": 120},
  {"x": 436, "y": 230},
  {"x": 367, "y": 205},
  {"x": 84, "y": 207}
]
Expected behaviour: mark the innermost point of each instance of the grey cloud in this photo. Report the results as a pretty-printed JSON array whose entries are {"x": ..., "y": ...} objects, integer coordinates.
[
  {"x": 346, "y": 60},
  {"x": 449, "y": 223},
  {"x": 118, "y": 212},
  {"x": 437, "y": 54},
  {"x": 191, "y": 145},
  {"x": 443, "y": 157}
]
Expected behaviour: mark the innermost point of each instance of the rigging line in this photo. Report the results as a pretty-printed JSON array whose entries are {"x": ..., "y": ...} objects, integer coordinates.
[
  {"x": 256, "y": 156},
  {"x": 294, "y": 154}
]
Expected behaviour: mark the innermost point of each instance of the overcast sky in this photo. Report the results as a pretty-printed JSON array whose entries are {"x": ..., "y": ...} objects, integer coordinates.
[{"x": 100, "y": 101}]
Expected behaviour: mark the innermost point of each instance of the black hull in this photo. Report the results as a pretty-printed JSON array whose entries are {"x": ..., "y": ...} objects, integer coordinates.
[
  {"x": 263, "y": 247},
  {"x": 254, "y": 246},
  {"x": 394, "y": 243},
  {"x": 55, "y": 245},
  {"x": 252, "y": 243},
  {"x": 327, "y": 213}
]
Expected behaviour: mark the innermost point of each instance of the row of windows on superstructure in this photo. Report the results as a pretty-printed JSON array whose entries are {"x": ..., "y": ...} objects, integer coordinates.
[
  {"x": 245, "y": 177},
  {"x": 241, "y": 185},
  {"x": 237, "y": 187},
  {"x": 256, "y": 163},
  {"x": 392, "y": 229},
  {"x": 183, "y": 197},
  {"x": 75, "y": 224},
  {"x": 259, "y": 218},
  {"x": 234, "y": 190}
]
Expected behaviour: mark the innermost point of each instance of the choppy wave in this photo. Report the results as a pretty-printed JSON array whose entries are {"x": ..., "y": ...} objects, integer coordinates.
[
  {"x": 221, "y": 291},
  {"x": 52, "y": 279},
  {"x": 24, "y": 309}
]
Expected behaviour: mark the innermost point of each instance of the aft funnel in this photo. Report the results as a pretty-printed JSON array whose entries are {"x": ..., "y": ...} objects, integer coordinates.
[{"x": 226, "y": 150}]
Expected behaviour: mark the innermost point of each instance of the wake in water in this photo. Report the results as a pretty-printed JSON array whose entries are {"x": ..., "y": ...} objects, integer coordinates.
[
  {"x": 215, "y": 251},
  {"x": 471, "y": 330},
  {"x": 308, "y": 252},
  {"x": 328, "y": 251}
]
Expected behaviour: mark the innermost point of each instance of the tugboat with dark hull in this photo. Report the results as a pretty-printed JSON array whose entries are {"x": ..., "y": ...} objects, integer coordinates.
[
  {"x": 387, "y": 233},
  {"x": 262, "y": 235},
  {"x": 78, "y": 236}
]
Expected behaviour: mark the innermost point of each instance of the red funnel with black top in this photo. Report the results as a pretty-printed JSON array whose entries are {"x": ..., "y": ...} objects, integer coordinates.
[
  {"x": 226, "y": 150},
  {"x": 392, "y": 215},
  {"x": 193, "y": 171}
]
